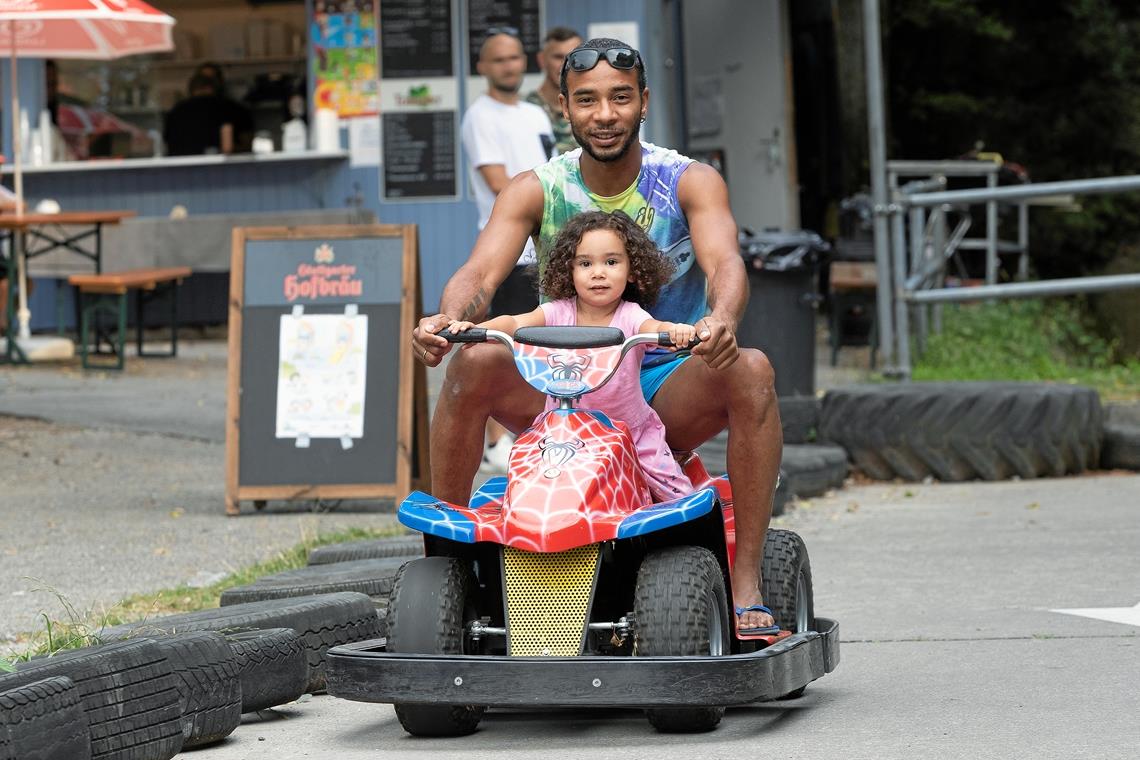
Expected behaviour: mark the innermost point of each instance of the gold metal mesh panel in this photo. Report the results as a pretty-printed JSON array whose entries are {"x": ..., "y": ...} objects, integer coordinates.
[{"x": 548, "y": 596}]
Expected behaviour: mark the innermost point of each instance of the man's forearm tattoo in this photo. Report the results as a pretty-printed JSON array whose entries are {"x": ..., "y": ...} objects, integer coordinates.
[{"x": 475, "y": 306}]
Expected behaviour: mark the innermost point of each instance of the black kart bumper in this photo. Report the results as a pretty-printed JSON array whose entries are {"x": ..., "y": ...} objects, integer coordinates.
[{"x": 364, "y": 672}]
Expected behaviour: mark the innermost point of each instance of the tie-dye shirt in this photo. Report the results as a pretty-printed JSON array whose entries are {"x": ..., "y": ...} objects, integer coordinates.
[{"x": 651, "y": 201}]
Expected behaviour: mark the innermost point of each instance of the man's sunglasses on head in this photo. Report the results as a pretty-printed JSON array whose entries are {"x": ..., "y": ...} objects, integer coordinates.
[
  {"x": 619, "y": 57},
  {"x": 510, "y": 31}
]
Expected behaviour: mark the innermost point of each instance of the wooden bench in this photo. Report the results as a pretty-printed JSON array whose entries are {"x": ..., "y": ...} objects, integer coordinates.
[{"x": 107, "y": 293}]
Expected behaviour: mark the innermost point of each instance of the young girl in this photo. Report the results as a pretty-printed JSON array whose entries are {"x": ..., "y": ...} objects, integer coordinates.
[{"x": 603, "y": 271}]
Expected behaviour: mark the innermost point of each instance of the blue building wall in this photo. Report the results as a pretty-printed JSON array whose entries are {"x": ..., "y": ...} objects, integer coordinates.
[{"x": 446, "y": 228}]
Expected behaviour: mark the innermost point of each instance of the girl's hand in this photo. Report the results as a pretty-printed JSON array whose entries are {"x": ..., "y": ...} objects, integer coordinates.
[
  {"x": 681, "y": 335},
  {"x": 457, "y": 326}
]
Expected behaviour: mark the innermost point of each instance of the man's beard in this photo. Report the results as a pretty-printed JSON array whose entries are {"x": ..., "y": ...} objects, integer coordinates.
[
  {"x": 580, "y": 138},
  {"x": 506, "y": 89}
]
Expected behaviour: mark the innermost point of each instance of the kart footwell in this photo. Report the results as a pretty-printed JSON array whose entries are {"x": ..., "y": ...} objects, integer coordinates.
[{"x": 365, "y": 672}]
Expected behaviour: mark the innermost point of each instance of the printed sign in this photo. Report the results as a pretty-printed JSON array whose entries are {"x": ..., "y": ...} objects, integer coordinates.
[
  {"x": 321, "y": 376},
  {"x": 345, "y": 57}
]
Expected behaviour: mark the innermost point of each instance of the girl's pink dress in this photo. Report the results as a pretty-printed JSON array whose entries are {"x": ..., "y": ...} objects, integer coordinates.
[{"x": 621, "y": 399}]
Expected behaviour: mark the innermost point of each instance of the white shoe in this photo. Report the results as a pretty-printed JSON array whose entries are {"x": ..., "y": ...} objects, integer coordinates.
[{"x": 497, "y": 456}]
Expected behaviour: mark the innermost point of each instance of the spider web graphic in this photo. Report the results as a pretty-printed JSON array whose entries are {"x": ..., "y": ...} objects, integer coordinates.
[{"x": 543, "y": 367}]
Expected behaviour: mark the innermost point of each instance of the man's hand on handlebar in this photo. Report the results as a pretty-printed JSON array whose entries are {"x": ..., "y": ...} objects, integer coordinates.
[
  {"x": 428, "y": 347},
  {"x": 718, "y": 343}
]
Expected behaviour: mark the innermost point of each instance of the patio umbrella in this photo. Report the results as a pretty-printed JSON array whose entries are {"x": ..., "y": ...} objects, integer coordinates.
[{"x": 87, "y": 29}]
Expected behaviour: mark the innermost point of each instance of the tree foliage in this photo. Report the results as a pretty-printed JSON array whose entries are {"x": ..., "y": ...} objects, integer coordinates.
[{"x": 1051, "y": 84}]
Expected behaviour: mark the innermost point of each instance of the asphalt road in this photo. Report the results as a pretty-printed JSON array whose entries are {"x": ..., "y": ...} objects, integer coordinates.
[{"x": 950, "y": 648}]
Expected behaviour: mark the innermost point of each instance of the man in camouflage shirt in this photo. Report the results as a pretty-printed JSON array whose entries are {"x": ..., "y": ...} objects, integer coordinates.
[{"x": 558, "y": 42}]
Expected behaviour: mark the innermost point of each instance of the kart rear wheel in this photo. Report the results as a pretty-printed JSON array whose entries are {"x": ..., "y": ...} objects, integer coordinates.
[
  {"x": 681, "y": 608},
  {"x": 426, "y": 615},
  {"x": 786, "y": 572}
]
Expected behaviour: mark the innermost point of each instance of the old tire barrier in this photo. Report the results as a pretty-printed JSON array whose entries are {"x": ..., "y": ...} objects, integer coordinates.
[
  {"x": 799, "y": 418},
  {"x": 1121, "y": 450},
  {"x": 44, "y": 720},
  {"x": 129, "y": 695},
  {"x": 271, "y": 666},
  {"x": 208, "y": 685},
  {"x": 814, "y": 470},
  {"x": 377, "y": 548},
  {"x": 321, "y": 621},
  {"x": 964, "y": 431},
  {"x": 366, "y": 576}
]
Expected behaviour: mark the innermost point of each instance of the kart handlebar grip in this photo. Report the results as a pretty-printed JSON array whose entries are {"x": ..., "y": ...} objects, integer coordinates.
[
  {"x": 472, "y": 335},
  {"x": 665, "y": 341}
]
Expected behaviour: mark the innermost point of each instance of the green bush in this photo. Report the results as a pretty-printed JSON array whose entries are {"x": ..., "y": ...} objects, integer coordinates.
[{"x": 1041, "y": 340}]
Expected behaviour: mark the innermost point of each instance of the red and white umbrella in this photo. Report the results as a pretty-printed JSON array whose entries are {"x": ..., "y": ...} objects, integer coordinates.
[{"x": 87, "y": 29}]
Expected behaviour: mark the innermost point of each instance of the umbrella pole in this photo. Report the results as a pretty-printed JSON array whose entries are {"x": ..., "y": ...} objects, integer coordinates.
[{"x": 23, "y": 314}]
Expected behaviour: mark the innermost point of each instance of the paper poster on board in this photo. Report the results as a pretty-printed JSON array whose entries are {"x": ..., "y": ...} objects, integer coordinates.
[{"x": 321, "y": 377}]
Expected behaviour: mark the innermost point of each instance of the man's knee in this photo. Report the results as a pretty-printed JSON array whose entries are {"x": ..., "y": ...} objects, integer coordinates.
[
  {"x": 473, "y": 371},
  {"x": 753, "y": 375}
]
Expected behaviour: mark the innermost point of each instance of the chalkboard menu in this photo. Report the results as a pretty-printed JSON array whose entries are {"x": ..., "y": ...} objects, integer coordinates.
[
  {"x": 323, "y": 393},
  {"x": 420, "y": 154},
  {"x": 415, "y": 39},
  {"x": 524, "y": 15}
]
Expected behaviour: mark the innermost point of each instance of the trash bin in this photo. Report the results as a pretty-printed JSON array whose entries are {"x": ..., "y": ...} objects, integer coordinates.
[{"x": 783, "y": 269}]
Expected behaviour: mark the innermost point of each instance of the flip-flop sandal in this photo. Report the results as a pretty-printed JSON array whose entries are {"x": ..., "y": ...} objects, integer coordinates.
[{"x": 770, "y": 630}]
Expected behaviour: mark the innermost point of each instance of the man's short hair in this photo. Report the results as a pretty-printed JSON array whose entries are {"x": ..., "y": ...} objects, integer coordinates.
[
  {"x": 560, "y": 34},
  {"x": 602, "y": 44}
]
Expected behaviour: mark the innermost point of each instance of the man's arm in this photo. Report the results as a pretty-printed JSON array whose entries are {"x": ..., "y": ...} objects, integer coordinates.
[
  {"x": 495, "y": 175},
  {"x": 517, "y": 214},
  {"x": 704, "y": 200}
]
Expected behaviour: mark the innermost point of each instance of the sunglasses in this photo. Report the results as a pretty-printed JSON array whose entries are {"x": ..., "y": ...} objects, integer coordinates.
[
  {"x": 510, "y": 31},
  {"x": 618, "y": 57}
]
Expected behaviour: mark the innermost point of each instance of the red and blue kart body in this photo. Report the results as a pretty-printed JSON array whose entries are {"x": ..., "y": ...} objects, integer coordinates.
[{"x": 565, "y": 584}]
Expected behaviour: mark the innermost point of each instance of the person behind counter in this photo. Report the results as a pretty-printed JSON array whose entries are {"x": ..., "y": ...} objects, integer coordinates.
[{"x": 208, "y": 121}]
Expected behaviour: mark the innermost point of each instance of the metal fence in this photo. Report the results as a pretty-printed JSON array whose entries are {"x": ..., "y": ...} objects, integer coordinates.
[{"x": 913, "y": 267}]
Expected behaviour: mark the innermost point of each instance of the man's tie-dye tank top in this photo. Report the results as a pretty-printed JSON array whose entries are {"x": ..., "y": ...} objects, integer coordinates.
[{"x": 651, "y": 201}]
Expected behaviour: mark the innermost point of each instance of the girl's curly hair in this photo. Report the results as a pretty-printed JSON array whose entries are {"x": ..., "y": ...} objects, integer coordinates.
[{"x": 650, "y": 270}]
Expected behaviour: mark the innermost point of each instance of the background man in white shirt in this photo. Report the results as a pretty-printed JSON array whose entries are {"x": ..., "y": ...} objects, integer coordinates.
[{"x": 504, "y": 136}]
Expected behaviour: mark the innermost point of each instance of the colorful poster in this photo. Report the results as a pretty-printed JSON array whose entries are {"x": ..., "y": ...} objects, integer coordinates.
[
  {"x": 320, "y": 382},
  {"x": 345, "y": 57}
]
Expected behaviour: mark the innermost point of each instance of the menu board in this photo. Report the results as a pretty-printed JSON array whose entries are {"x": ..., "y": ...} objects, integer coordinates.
[
  {"x": 343, "y": 39},
  {"x": 523, "y": 15},
  {"x": 420, "y": 154},
  {"x": 415, "y": 39}
]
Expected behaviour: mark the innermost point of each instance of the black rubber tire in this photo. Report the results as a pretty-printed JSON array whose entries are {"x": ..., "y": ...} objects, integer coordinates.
[
  {"x": 366, "y": 576},
  {"x": 377, "y": 548},
  {"x": 1121, "y": 450},
  {"x": 963, "y": 431},
  {"x": 130, "y": 697},
  {"x": 813, "y": 470},
  {"x": 208, "y": 685},
  {"x": 322, "y": 621},
  {"x": 799, "y": 418},
  {"x": 679, "y": 604},
  {"x": 44, "y": 721},
  {"x": 426, "y": 616},
  {"x": 271, "y": 667},
  {"x": 787, "y": 588}
]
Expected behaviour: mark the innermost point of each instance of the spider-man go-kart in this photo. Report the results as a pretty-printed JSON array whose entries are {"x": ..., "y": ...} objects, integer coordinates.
[{"x": 562, "y": 584}]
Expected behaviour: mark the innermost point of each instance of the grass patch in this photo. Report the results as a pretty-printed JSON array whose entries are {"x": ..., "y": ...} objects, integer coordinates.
[
  {"x": 75, "y": 629},
  {"x": 1039, "y": 339}
]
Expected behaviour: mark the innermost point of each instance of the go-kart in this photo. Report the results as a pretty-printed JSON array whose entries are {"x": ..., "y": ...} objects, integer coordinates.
[{"x": 563, "y": 584}]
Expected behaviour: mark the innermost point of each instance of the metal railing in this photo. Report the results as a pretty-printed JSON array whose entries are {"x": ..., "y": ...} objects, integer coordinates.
[{"x": 913, "y": 268}]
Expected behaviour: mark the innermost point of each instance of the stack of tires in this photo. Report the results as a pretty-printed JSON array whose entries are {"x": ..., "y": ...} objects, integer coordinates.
[{"x": 151, "y": 689}]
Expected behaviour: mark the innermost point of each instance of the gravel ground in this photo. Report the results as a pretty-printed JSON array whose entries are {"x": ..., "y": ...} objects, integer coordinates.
[{"x": 112, "y": 484}]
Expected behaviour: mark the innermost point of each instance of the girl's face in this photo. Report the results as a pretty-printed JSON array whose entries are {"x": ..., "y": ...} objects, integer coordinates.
[{"x": 601, "y": 268}]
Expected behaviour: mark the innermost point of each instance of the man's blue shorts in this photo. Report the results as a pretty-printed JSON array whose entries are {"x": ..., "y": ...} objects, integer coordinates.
[{"x": 652, "y": 378}]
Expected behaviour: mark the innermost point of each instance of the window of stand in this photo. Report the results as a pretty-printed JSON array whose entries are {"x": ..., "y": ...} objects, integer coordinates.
[{"x": 136, "y": 107}]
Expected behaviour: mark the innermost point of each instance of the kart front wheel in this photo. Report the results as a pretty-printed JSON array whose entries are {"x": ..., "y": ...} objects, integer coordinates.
[
  {"x": 426, "y": 613},
  {"x": 681, "y": 609},
  {"x": 786, "y": 571}
]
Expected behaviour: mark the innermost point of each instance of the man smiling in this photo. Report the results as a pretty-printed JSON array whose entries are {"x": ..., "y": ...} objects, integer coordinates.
[{"x": 683, "y": 205}]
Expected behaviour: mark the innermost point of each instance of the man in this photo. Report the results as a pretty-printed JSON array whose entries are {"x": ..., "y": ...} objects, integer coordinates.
[
  {"x": 604, "y": 93},
  {"x": 503, "y": 137},
  {"x": 558, "y": 42},
  {"x": 208, "y": 121}
]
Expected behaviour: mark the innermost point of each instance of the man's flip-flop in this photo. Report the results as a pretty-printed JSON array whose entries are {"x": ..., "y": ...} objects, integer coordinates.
[{"x": 770, "y": 630}]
